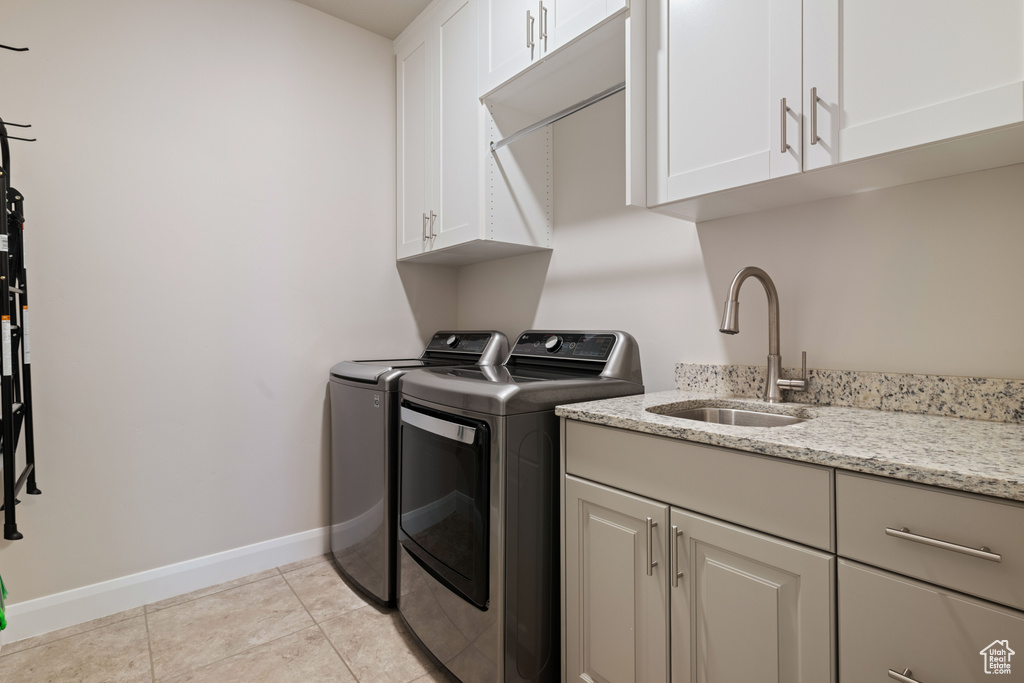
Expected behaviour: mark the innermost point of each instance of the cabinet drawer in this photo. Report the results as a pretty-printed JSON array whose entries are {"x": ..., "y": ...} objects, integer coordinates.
[
  {"x": 890, "y": 622},
  {"x": 784, "y": 498},
  {"x": 866, "y": 507}
]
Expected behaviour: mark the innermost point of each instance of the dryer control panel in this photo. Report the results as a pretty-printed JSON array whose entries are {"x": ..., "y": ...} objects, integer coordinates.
[{"x": 574, "y": 345}]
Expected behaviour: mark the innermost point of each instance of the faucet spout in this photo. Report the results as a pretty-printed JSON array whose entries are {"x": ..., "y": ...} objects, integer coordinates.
[
  {"x": 731, "y": 325},
  {"x": 731, "y": 315}
]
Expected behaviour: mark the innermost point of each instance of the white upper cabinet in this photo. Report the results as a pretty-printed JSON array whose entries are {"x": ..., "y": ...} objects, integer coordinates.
[
  {"x": 509, "y": 31},
  {"x": 415, "y": 146},
  {"x": 438, "y": 159},
  {"x": 565, "y": 20},
  {"x": 516, "y": 34},
  {"x": 454, "y": 195},
  {"x": 457, "y": 150},
  {"x": 722, "y": 71},
  {"x": 744, "y": 98},
  {"x": 891, "y": 76}
]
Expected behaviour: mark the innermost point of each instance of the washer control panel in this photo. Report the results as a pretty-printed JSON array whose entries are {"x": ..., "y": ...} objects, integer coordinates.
[
  {"x": 462, "y": 342},
  {"x": 575, "y": 345}
]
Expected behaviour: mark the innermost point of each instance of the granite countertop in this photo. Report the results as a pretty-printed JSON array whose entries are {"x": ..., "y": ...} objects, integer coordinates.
[{"x": 966, "y": 455}]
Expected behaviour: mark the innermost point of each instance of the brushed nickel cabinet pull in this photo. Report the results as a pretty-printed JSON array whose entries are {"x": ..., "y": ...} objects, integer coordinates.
[
  {"x": 903, "y": 677},
  {"x": 814, "y": 116},
  {"x": 542, "y": 14},
  {"x": 982, "y": 553},
  {"x": 651, "y": 562},
  {"x": 782, "y": 117},
  {"x": 674, "y": 569},
  {"x": 424, "y": 226},
  {"x": 433, "y": 217},
  {"x": 529, "y": 30}
]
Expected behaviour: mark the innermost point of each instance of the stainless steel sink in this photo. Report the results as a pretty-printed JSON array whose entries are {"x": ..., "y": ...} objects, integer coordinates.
[{"x": 732, "y": 416}]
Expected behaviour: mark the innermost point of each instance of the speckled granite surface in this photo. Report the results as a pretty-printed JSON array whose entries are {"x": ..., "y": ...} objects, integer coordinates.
[
  {"x": 976, "y": 398},
  {"x": 967, "y": 455}
]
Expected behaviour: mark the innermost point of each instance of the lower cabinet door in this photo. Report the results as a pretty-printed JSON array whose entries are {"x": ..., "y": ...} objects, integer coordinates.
[
  {"x": 895, "y": 628},
  {"x": 748, "y": 607},
  {"x": 616, "y": 606}
]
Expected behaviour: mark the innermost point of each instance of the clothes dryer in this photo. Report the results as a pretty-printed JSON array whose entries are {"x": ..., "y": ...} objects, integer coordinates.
[
  {"x": 364, "y": 456},
  {"x": 479, "y": 500}
]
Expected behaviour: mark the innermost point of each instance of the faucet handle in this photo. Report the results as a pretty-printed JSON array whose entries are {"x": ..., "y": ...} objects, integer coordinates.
[{"x": 797, "y": 384}]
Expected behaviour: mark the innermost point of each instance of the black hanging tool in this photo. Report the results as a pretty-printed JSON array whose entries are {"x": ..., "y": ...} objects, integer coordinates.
[{"x": 15, "y": 356}]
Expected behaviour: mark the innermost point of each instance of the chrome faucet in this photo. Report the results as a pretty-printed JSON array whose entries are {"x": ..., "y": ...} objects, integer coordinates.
[{"x": 731, "y": 325}]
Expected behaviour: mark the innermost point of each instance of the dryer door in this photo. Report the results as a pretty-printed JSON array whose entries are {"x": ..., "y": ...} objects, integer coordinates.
[{"x": 443, "y": 508}]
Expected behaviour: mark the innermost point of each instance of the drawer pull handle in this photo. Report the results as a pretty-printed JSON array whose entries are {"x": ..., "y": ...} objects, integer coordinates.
[
  {"x": 903, "y": 677},
  {"x": 651, "y": 562},
  {"x": 981, "y": 553}
]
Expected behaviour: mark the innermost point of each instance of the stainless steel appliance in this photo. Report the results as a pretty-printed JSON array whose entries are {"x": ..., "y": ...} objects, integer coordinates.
[
  {"x": 364, "y": 455},
  {"x": 478, "y": 500}
]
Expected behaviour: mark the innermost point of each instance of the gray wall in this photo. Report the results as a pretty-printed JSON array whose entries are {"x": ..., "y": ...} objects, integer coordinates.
[{"x": 211, "y": 227}]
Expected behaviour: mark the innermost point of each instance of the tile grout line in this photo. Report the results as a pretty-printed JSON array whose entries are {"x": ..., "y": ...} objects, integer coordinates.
[
  {"x": 238, "y": 654},
  {"x": 217, "y": 592},
  {"x": 149, "y": 646},
  {"x": 318, "y": 625},
  {"x": 70, "y": 635},
  {"x": 145, "y": 613},
  {"x": 249, "y": 649}
]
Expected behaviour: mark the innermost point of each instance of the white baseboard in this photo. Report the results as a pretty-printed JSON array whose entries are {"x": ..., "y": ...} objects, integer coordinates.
[{"x": 52, "y": 612}]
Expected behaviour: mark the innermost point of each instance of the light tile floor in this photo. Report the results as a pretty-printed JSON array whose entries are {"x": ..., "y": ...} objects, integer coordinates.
[{"x": 300, "y": 622}]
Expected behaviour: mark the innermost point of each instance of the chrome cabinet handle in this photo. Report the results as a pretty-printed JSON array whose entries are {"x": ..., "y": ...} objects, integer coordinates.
[
  {"x": 674, "y": 569},
  {"x": 903, "y": 677},
  {"x": 433, "y": 217},
  {"x": 542, "y": 13},
  {"x": 982, "y": 553},
  {"x": 784, "y": 111},
  {"x": 651, "y": 562},
  {"x": 529, "y": 30},
  {"x": 424, "y": 226},
  {"x": 814, "y": 116}
]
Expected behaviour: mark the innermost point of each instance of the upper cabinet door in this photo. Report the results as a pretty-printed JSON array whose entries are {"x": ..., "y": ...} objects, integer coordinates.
[
  {"x": 414, "y": 74},
  {"x": 508, "y": 31},
  {"x": 563, "y": 20},
  {"x": 717, "y": 76},
  {"x": 911, "y": 73},
  {"x": 457, "y": 122}
]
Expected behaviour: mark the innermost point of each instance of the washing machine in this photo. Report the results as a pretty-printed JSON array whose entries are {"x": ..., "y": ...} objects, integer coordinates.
[
  {"x": 364, "y": 455},
  {"x": 479, "y": 500}
]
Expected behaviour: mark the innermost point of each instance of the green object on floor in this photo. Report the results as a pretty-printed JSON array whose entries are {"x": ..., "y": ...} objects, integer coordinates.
[{"x": 3, "y": 596}]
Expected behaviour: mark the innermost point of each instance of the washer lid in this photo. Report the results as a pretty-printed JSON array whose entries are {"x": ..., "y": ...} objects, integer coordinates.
[{"x": 371, "y": 371}]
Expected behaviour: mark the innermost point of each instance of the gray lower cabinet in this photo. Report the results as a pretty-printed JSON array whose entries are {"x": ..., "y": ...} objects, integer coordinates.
[
  {"x": 895, "y": 628},
  {"x": 616, "y": 598},
  {"x": 948, "y": 615},
  {"x": 744, "y": 606},
  {"x": 748, "y": 607}
]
